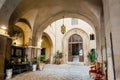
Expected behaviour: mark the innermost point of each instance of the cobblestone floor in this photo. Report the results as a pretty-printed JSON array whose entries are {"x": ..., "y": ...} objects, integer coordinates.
[{"x": 57, "y": 72}]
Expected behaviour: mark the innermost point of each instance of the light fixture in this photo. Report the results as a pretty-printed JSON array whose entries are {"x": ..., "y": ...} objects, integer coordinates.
[
  {"x": 63, "y": 28},
  {"x": 3, "y": 27},
  {"x": 41, "y": 40}
]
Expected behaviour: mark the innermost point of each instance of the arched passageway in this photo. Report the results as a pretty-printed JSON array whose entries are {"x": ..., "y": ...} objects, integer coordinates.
[
  {"x": 60, "y": 41},
  {"x": 91, "y": 13}
]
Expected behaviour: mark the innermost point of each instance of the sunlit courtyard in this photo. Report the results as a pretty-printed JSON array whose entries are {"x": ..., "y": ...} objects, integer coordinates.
[{"x": 57, "y": 72}]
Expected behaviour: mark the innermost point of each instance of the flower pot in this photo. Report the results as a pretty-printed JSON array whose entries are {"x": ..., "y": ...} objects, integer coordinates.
[
  {"x": 8, "y": 73},
  {"x": 34, "y": 67},
  {"x": 58, "y": 61},
  {"x": 41, "y": 65}
]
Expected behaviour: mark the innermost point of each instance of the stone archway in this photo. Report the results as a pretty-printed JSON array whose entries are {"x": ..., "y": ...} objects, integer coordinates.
[
  {"x": 86, "y": 43},
  {"x": 94, "y": 26},
  {"x": 27, "y": 32},
  {"x": 46, "y": 46}
]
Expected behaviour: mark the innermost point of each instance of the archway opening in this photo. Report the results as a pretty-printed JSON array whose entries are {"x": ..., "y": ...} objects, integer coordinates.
[
  {"x": 60, "y": 41},
  {"x": 46, "y": 47},
  {"x": 75, "y": 48}
]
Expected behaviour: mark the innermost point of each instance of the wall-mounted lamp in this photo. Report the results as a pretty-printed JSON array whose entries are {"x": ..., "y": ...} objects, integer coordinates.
[
  {"x": 3, "y": 27},
  {"x": 41, "y": 41},
  {"x": 3, "y": 30}
]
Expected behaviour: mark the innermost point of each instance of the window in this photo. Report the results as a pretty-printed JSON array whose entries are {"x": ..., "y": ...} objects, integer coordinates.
[{"x": 74, "y": 21}]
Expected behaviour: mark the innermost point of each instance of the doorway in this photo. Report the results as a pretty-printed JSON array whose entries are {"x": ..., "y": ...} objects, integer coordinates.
[
  {"x": 43, "y": 50},
  {"x": 75, "y": 49},
  {"x": 46, "y": 45}
]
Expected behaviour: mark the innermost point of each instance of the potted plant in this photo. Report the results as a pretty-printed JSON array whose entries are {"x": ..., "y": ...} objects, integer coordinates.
[
  {"x": 105, "y": 63},
  {"x": 34, "y": 64},
  {"x": 58, "y": 56},
  {"x": 8, "y": 69},
  {"x": 41, "y": 60},
  {"x": 91, "y": 57}
]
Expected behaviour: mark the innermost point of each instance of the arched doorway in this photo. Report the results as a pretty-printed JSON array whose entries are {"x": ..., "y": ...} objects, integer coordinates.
[
  {"x": 85, "y": 43},
  {"x": 46, "y": 47},
  {"x": 75, "y": 46}
]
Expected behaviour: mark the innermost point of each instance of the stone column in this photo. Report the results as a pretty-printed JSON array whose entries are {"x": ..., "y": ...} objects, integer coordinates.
[
  {"x": 29, "y": 53},
  {"x": 114, "y": 14},
  {"x": 98, "y": 44},
  {"x": 107, "y": 26},
  {"x": 5, "y": 50},
  {"x": 103, "y": 45}
]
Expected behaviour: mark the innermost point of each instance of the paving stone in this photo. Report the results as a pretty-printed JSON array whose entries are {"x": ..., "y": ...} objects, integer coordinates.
[{"x": 57, "y": 72}]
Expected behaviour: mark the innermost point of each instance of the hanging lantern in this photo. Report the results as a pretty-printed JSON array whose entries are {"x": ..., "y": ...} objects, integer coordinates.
[{"x": 63, "y": 28}]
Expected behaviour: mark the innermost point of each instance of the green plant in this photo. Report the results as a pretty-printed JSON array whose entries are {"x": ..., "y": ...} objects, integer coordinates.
[
  {"x": 35, "y": 60},
  {"x": 58, "y": 57},
  {"x": 91, "y": 56},
  {"x": 41, "y": 58},
  {"x": 105, "y": 62},
  {"x": 58, "y": 54}
]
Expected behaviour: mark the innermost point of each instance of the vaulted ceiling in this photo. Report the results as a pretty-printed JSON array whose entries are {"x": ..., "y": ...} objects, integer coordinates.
[
  {"x": 49, "y": 8},
  {"x": 40, "y": 13}
]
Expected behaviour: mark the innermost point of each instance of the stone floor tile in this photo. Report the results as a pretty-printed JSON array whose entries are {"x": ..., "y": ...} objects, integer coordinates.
[{"x": 57, "y": 72}]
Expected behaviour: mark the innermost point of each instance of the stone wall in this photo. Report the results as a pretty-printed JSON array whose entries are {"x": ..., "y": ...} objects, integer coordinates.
[
  {"x": 112, "y": 23},
  {"x": 114, "y": 8}
]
